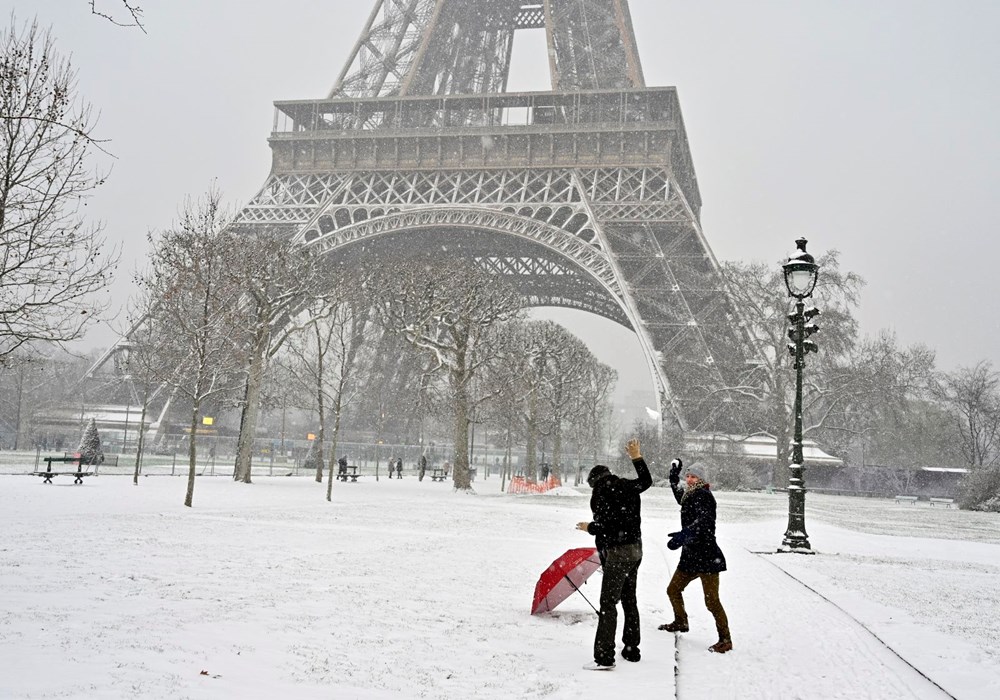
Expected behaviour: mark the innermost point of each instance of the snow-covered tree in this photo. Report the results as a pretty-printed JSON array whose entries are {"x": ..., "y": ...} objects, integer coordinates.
[
  {"x": 874, "y": 399},
  {"x": 90, "y": 444},
  {"x": 449, "y": 310},
  {"x": 972, "y": 397},
  {"x": 314, "y": 459},
  {"x": 762, "y": 401},
  {"x": 277, "y": 278},
  {"x": 194, "y": 312}
]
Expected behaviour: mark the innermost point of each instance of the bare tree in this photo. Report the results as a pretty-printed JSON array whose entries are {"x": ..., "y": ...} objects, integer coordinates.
[
  {"x": 506, "y": 381},
  {"x": 766, "y": 393},
  {"x": 872, "y": 396},
  {"x": 194, "y": 310},
  {"x": 390, "y": 370},
  {"x": 448, "y": 310},
  {"x": 546, "y": 350},
  {"x": 973, "y": 395},
  {"x": 277, "y": 277},
  {"x": 42, "y": 378},
  {"x": 569, "y": 367},
  {"x": 595, "y": 399},
  {"x": 141, "y": 366},
  {"x": 52, "y": 263},
  {"x": 19, "y": 375},
  {"x": 543, "y": 381},
  {"x": 323, "y": 357}
]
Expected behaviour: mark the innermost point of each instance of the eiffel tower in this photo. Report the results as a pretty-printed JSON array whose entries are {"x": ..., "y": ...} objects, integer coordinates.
[{"x": 585, "y": 195}]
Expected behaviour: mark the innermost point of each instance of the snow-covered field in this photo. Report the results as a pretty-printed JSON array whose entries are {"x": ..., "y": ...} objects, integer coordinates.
[{"x": 400, "y": 589}]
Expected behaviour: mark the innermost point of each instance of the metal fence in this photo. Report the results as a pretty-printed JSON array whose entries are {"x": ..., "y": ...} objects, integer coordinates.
[{"x": 216, "y": 457}]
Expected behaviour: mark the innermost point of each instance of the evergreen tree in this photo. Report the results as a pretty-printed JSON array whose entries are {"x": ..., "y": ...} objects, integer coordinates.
[
  {"x": 90, "y": 445},
  {"x": 313, "y": 459}
]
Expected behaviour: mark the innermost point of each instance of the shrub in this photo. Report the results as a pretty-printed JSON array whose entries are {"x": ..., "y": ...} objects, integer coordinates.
[{"x": 981, "y": 490}]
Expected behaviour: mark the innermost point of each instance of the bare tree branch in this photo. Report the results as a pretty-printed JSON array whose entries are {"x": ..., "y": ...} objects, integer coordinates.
[{"x": 134, "y": 11}]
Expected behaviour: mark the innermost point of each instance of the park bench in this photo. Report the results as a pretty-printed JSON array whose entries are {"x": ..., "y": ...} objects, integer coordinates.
[
  {"x": 946, "y": 502},
  {"x": 78, "y": 474},
  {"x": 350, "y": 471},
  {"x": 906, "y": 499},
  {"x": 438, "y": 475}
]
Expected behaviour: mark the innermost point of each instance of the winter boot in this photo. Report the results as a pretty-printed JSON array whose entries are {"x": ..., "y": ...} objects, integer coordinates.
[
  {"x": 721, "y": 646},
  {"x": 631, "y": 654},
  {"x": 594, "y": 666},
  {"x": 675, "y": 626}
]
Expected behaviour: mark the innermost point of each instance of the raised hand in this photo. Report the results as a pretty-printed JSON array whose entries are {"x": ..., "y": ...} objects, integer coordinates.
[{"x": 632, "y": 447}]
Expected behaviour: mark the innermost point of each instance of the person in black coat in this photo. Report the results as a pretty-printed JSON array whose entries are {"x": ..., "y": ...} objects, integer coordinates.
[
  {"x": 701, "y": 557},
  {"x": 616, "y": 506}
]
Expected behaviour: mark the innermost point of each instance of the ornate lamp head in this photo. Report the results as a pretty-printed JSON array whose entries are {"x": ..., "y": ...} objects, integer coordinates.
[{"x": 801, "y": 272}]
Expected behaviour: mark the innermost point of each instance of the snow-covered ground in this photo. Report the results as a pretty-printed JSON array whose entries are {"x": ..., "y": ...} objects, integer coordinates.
[{"x": 400, "y": 589}]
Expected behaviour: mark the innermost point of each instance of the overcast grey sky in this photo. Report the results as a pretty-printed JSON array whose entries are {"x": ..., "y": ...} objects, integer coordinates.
[{"x": 869, "y": 127}]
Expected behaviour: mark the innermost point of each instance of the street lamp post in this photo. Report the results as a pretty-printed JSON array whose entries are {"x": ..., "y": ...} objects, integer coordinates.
[{"x": 801, "y": 273}]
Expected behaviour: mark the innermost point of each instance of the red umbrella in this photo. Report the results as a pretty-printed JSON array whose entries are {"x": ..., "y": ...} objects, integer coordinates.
[{"x": 564, "y": 576}]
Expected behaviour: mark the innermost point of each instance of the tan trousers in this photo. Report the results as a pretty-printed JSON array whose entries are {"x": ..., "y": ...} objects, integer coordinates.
[{"x": 710, "y": 586}]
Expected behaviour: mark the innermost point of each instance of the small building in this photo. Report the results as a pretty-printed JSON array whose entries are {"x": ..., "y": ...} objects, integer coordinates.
[
  {"x": 754, "y": 458},
  {"x": 760, "y": 449},
  {"x": 61, "y": 428}
]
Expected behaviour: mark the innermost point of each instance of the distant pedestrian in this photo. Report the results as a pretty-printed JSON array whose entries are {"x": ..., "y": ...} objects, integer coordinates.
[
  {"x": 399, "y": 467},
  {"x": 616, "y": 505},
  {"x": 701, "y": 556},
  {"x": 421, "y": 467},
  {"x": 342, "y": 465}
]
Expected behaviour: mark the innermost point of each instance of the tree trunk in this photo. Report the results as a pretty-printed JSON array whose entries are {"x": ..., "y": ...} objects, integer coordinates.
[
  {"x": 531, "y": 445},
  {"x": 333, "y": 447},
  {"x": 251, "y": 409},
  {"x": 321, "y": 404},
  {"x": 139, "y": 443},
  {"x": 460, "y": 396},
  {"x": 192, "y": 454},
  {"x": 17, "y": 417},
  {"x": 321, "y": 410},
  {"x": 505, "y": 474},
  {"x": 556, "y": 471}
]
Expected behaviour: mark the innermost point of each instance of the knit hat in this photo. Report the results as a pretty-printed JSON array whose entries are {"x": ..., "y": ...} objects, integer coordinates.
[
  {"x": 696, "y": 473},
  {"x": 596, "y": 474}
]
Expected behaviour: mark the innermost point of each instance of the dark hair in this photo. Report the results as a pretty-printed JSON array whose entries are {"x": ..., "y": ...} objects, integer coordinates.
[{"x": 596, "y": 474}]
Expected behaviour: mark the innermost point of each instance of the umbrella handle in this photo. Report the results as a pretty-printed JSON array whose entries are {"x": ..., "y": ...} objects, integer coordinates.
[{"x": 566, "y": 576}]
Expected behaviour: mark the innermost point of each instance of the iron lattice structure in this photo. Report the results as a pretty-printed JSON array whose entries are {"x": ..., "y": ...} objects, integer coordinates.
[
  {"x": 463, "y": 47},
  {"x": 585, "y": 195}
]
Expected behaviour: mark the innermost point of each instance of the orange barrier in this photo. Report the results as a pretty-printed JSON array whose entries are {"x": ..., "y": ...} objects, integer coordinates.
[{"x": 519, "y": 484}]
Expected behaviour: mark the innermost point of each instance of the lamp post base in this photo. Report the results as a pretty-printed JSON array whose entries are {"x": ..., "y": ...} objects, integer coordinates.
[{"x": 795, "y": 545}]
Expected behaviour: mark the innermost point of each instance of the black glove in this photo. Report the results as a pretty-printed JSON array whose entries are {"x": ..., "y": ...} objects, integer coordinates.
[
  {"x": 675, "y": 467},
  {"x": 678, "y": 539}
]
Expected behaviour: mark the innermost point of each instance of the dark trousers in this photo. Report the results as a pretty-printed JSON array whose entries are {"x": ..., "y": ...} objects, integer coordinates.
[
  {"x": 710, "y": 587},
  {"x": 618, "y": 585}
]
